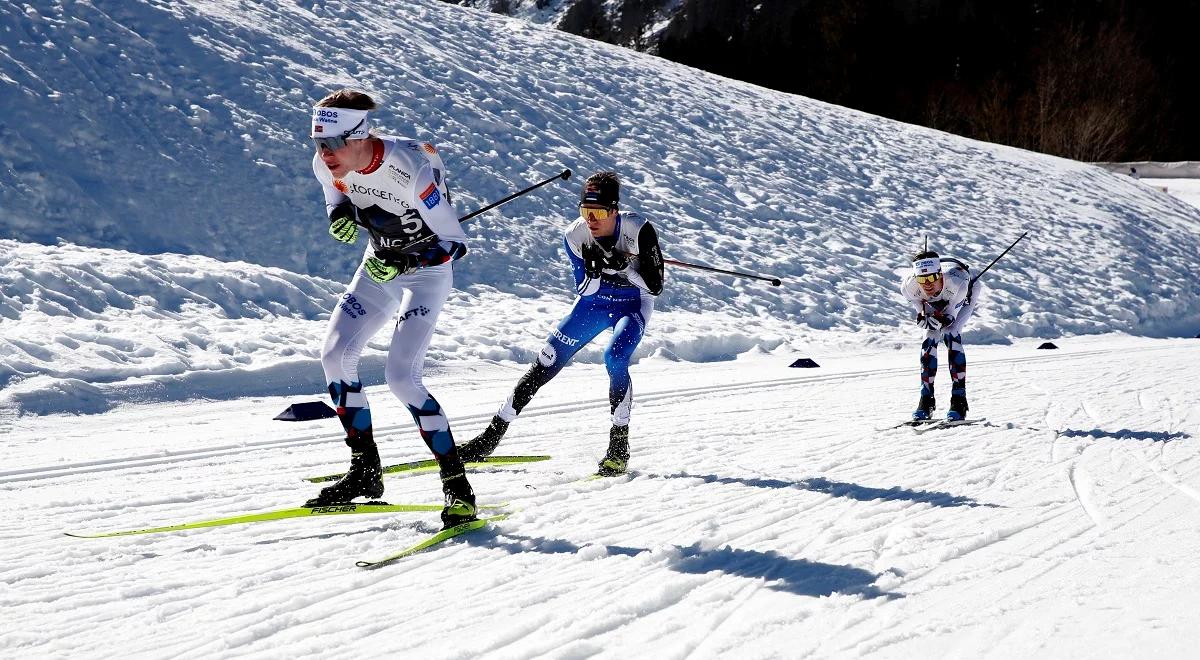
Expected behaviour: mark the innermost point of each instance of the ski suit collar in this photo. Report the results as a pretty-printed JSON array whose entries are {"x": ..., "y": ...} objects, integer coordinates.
[{"x": 376, "y": 158}]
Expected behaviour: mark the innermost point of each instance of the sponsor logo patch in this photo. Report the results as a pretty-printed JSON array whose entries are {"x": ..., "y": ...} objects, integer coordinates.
[
  {"x": 431, "y": 197},
  {"x": 398, "y": 174},
  {"x": 348, "y": 188},
  {"x": 569, "y": 341},
  {"x": 352, "y": 307},
  {"x": 429, "y": 148},
  {"x": 337, "y": 508},
  {"x": 420, "y": 310}
]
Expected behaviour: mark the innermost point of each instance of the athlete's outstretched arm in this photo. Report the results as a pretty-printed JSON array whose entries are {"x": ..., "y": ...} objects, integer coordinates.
[{"x": 650, "y": 260}]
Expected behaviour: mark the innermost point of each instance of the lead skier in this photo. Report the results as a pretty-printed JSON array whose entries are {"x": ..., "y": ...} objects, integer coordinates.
[
  {"x": 618, "y": 270},
  {"x": 944, "y": 300},
  {"x": 396, "y": 189}
]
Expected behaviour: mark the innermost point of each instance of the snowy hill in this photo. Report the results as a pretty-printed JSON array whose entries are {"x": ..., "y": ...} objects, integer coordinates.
[
  {"x": 86, "y": 329},
  {"x": 636, "y": 23},
  {"x": 165, "y": 276},
  {"x": 180, "y": 126}
]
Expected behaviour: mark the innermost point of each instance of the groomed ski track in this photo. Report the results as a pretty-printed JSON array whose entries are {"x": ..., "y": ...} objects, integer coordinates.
[{"x": 765, "y": 511}]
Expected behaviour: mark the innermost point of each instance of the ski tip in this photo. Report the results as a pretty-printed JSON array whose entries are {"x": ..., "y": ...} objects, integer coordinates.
[
  {"x": 443, "y": 535},
  {"x": 102, "y": 535}
]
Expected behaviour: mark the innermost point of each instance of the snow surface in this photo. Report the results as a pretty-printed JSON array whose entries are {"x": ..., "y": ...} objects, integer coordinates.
[
  {"x": 1187, "y": 190},
  {"x": 165, "y": 280},
  {"x": 768, "y": 517}
]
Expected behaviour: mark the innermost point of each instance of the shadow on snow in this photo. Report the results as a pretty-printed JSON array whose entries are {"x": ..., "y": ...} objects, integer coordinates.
[
  {"x": 1125, "y": 434},
  {"x": 797, "y": 576},
  {"x": 845, "y": 489}
]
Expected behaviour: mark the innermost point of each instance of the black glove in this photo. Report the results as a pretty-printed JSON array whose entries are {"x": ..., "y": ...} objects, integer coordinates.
[
  {"x": 616, "y": 261},
  {"x": 938, "y": 323},
  {"x": 593, "y": 259}
]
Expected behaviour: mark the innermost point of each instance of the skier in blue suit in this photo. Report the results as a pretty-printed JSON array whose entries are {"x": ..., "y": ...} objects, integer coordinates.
[{"x": 618, "y": 269}]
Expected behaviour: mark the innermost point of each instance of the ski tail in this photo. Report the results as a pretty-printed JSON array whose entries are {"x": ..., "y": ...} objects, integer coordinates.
[
  {"x": 430, "y": 465},
  {"x": 281, "y": 514}
]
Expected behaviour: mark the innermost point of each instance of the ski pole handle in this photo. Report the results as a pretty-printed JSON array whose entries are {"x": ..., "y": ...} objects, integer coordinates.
[
  {"x": 775, "y": 281},
  {"x": 564, "y": 175}
]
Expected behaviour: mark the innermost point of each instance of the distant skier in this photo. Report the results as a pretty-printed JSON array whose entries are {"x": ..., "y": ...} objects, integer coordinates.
[
  {"x": 618, "y": 270},
  {"x": 944, "y": 300},
  {"x": 396, "y": 189}
]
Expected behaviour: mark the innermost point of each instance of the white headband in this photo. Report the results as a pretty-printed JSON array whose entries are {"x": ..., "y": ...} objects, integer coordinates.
[
  {"x": 340, "y": 122},
  {"x": 927, "y": 266}
]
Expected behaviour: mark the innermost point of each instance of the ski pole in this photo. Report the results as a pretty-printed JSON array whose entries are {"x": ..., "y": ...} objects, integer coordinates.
[
  {"x": 564, "y": 175},
  {"x": 1014, "y": 243},
  {"x": 775, "y": 281}
]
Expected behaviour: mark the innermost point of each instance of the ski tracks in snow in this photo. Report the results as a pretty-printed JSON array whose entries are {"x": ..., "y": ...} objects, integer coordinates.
[{"x": 760, "y": 515}]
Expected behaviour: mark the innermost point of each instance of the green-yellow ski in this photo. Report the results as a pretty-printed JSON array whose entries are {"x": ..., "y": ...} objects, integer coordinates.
[
  {"x": 280, "y": 514},
  {"x": 447, "y": 533},
  {"x": 430, "y": 465}
]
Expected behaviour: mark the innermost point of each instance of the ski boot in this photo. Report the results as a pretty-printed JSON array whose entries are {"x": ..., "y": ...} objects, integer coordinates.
[
  {"x": 460, "y": 500},
  {"x": 364, "y": 478},
  {"x": 482, "y": 445},
  {"x": 958, "y": 408},
  {"x": 925, "y": 408},
  {"x": 616, "y": 459}
]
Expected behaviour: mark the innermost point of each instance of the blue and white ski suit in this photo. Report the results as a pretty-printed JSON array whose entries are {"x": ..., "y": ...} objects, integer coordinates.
[{"x": 618, "y": 299}]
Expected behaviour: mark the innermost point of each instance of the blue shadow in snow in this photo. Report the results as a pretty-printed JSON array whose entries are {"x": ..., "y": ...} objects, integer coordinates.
[
  {"x": 847, "y": 490},
  {"x": 796, "y": 576},
  {"x": 1125, "y": 434}
]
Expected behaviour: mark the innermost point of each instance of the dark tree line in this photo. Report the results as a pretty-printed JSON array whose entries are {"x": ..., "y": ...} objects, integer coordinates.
[{"x": 1086, "y": 79}]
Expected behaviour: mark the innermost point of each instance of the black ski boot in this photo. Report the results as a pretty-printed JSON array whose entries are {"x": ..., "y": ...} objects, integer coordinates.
[
  {"x": 616, "y": 459},
  {"x": 482, "y": 445},
  {"x": 460, "y": 500},
  {"x": 365, "y": 477},
  {"x": 958, "y": 408},
  {"x": 925, "y": 408}
]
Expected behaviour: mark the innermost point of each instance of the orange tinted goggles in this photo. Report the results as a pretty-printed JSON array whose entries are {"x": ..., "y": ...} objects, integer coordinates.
[
  {"x": 595, "y": 212},
  {"x": 928, "y": 279}
]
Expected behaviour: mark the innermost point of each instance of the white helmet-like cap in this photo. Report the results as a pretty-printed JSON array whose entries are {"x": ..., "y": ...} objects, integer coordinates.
[
  {"x": 344, "y": 123},
  {"x": 926, "y": 263}
]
